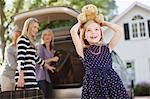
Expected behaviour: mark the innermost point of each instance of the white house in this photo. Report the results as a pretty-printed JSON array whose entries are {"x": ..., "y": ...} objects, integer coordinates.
[{"x": 134, "y": 46}]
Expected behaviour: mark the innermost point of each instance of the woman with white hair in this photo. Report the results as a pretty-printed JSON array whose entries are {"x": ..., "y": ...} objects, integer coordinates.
[
  {"x": 10, "y": 64},
  {"x": 46, "y": 52},
  {"x": 27, "y": 56}
]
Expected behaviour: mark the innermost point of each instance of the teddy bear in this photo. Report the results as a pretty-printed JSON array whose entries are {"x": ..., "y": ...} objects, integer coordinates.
[{"x": 90, "y": 12}]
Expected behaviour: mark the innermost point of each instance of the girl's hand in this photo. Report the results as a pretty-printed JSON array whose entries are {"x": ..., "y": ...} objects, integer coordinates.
[
  {"x": 51, "y": 68},
  {"x": 78, "y": 19},
  {"x": 79, "y": 22},
  {"x": 103, "y": 23}
]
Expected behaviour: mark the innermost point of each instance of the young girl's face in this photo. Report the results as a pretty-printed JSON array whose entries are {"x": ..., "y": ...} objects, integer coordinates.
[
  {"x": 93, "y": 33},
  {"x": 47, "y": 37}
]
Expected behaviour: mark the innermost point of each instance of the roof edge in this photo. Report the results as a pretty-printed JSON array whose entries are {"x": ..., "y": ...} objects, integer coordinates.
[{"x": 129, "y": 8}]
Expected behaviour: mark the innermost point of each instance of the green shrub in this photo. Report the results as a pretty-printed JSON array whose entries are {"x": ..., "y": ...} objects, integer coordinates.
[{"x": 142, "y": 89}]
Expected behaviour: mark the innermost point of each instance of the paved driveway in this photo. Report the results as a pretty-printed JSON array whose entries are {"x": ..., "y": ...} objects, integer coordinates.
[
  {"x": 148, "y": 97},
  {"x": 71, "y": 93},
  {"x": 75, "y": 93}
]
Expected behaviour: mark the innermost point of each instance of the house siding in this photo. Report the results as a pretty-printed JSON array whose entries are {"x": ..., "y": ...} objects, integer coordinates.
[{"x": 137, "y": 50}]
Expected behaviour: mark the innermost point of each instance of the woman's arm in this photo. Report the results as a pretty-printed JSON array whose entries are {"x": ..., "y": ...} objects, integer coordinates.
[
  {"x": 21, "y": 79},
  {"x": 53, "y": 59},
  {"x": 40, "y": 56},
  {"x": 76, "y": 39},
  {"x": 41, "y": 53},
  {"x": 11, "y": 58},
  {"x": 44, "y": 64},
  {"x": 21, "y": 52},
  {"x": 115, "y": 39}
]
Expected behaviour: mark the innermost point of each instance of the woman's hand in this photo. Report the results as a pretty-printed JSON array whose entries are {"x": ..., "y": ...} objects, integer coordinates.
[
  {"x": 20, "y": 82},
  {"x": 21, "y": 79},
  {"x": 55, "y": 59},
  {"x": 51, "y": 68}
]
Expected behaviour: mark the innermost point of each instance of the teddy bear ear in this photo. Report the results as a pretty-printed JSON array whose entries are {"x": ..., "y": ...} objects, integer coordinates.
[
  {"x": 93, "y": 7},
  {"x": 84, "y": 8},
  {"x": 89, "y": 7},
  {"x": 82, "y": 18}
]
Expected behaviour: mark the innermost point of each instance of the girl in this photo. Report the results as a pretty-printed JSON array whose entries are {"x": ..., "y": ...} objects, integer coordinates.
[
  {"x": 46, "y": 52},
  {"x": 27, "y": 57},
  {"x": 100, "y": 80}
]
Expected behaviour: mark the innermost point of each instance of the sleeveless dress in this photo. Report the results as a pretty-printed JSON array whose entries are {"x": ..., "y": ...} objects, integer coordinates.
[{"x": 100, "y": 80}]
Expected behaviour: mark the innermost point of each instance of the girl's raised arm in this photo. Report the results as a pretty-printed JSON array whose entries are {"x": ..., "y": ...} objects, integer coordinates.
[
  {"x": 76, "y": 39},
  {"x": 115, "y": 39}
]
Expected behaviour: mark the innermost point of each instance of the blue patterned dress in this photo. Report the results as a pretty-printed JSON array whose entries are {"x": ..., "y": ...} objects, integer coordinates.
[{"x": 100, "y": 80}]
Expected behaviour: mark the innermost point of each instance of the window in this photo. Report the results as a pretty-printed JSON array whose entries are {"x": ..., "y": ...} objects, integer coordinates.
[
  {"x": 137, "y": 28},
  {"x": 142, "y": 29},
  {"x": 129, "y": 65},
  {"x": 134, "y": 30},
  {"x": 137, "y": 17},
  {"x": 130, "y": 69}
]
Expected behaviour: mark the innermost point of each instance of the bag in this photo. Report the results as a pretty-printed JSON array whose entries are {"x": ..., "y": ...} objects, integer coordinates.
[
  {"x": 62, "y": 67},
  {"x": 22, "y": 94}
]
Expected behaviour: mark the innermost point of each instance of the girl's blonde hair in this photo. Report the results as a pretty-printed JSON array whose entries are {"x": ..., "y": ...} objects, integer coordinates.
[
  {"x": 83, "y": 27},
  {"x": 26, "y": 32},
  {"x": 52, "y": 37}
]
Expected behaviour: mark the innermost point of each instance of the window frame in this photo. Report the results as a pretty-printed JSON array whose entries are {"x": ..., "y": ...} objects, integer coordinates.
[
  {"x": 133, "y": 74},
  {"x": 138, "y": 21}
]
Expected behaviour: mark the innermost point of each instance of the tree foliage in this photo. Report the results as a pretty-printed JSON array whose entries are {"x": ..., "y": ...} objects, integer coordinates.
[
  {"x": 105, "y": 6},
  {"x": 5, "y": 20}
]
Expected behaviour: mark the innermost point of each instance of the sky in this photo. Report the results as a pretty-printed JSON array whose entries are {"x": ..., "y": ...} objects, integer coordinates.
[{"x": 124, "y": 4}]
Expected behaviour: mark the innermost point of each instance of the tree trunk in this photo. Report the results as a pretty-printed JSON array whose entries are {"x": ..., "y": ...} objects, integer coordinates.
[
  {"x": 2, "y": 20},
  {"x": 2, "y": 28}
]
